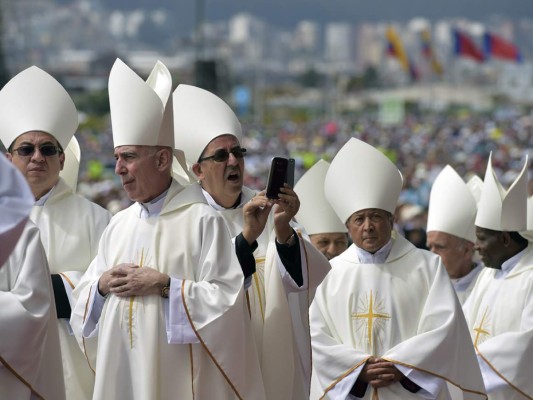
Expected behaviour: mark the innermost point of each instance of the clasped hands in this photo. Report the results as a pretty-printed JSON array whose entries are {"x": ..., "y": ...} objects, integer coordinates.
[
  {"x": 125, "y": 280},
  {"x": 380, "y": 373}
]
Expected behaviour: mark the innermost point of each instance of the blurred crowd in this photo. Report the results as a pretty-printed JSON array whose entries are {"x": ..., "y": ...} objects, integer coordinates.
[{"x": 420, "y": 147}]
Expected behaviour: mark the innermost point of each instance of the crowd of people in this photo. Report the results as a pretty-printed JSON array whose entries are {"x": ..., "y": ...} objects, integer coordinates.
[{"x": 181, "y": 277}]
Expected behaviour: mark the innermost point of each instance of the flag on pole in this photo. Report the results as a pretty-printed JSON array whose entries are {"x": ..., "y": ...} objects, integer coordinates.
[
  {"x": 464, "y": 46},
  {"x": 429, "y": 55},
  {"x": 497, "y": 47},
  {"x": 395, "y": 49}
]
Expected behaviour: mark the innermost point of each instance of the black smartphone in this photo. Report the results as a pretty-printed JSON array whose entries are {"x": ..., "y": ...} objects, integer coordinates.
[{"x": 277, "y": 176}]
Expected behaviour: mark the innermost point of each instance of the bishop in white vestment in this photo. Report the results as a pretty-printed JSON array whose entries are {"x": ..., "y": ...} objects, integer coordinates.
[
  {"x": 385, "y": 322},
  {"x": 280, "y": 274},
  {"x": 499, "y": 310}
]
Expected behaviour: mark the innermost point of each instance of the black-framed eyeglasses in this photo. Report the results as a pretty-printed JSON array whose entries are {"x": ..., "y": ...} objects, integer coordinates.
[
  {"x": 46, "y": 150},
  {"x": 222, "y": 155}
]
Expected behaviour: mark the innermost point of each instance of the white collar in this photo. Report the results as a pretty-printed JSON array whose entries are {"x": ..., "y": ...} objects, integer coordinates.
[
  {"x": 43, "y": 198},
  {"x": 152, "y": 208},
  {"x": 217, "y": 206},
  {"x": 509, "y": 264},
  {"x": 378, "y": 257}
]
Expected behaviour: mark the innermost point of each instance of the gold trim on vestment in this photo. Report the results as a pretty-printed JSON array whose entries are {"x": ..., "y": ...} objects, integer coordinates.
[
  {"x": 20, "y": 378},
  {"x": 434, "y": 374},
  {"x": 82, "y": 338},
  {"x": 342, "y": 377},
  {"x": 501, "y": 376},
  {"x": 72, "y": 286},
  {"x": 202, "y": 342}
]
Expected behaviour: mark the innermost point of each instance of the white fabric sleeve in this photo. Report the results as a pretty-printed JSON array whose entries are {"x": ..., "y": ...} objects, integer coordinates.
[
  {"x": 430, "y": 386},
  {"x": 288, "y": 283},
  {"x": 179, "y": 330},
  {"x": 96, "y": 304},
  {"x": 341, "y": 391},
  {"x": 490, "y": 378}
]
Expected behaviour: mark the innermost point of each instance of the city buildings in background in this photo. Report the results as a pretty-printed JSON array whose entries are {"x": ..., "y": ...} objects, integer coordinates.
[{"x": 78, "y": 41}]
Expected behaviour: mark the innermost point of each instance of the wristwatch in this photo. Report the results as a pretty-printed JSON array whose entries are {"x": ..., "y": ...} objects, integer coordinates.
[
  {"x": 290, "y": 241},
  {"x": 165, "y": 290}
]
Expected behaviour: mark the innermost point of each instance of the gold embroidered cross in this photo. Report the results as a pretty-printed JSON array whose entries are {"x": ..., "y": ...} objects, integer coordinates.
[
  {"x": 480, "y": 330},
  {"x": 370, "y": 315}
]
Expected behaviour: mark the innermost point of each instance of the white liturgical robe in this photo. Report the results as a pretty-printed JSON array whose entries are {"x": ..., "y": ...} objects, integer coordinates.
[
  {"x": 70, "y": 227},
  {"x": 279, "y": 308},
  {"x": 196, "y": 344},
  {"x": 499, "y": 312},
  {"x": 403, "y": 310},
  {"x": 30, "y": 356}
]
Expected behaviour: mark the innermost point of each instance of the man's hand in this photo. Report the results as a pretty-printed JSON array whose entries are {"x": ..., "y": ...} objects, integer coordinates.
[
  {"x": 126, "y": 280},
  {"x": 255, "y": 216},
  {"x": 380, "y": 373},
  {"x": 288, "y": 205}
]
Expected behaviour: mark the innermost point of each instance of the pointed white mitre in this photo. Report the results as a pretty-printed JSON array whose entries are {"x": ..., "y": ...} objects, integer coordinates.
[
  {"x": 452, "y": 207},
  {"x": 34, "y": 101},
  {"x": 528, "y": 233},
  {"x": 315, "y": 213},
  {"x": 141, "y": 112},
  {"x": 360, "y": 177},
  {"x": 71, "y": 168},
  {"x": 200, "y": 117},
  {"x": 500, "y": 209}
]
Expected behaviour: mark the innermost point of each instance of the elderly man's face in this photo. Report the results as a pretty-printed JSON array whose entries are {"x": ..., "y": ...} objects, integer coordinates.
[
  {"x": 455, "y": 252},
  {"x": 223, "y": 180},
  {"x": 41, "y": 170},
  {"x": 370, "y": 229},
  {"x": 330, "y": 244},
  {"x": 138, "y": 171},
  {"x": 491, "y": 247}
]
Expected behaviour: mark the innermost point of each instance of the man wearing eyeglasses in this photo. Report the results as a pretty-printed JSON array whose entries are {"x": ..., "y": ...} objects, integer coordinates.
[
  {"x": 281, "y": 267},
  {"x": 37, "y": 120}
]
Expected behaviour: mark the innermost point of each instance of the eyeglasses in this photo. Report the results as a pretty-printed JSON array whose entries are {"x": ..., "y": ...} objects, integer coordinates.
[
  {"x": 46, "y": 150},
  {"x": 222, "y": 155}
]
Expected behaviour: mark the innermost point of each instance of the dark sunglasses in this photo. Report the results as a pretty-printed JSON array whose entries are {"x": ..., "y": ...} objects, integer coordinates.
[
  {"x": 222, "y": 155},
  {"x": 46, "y": 150}
]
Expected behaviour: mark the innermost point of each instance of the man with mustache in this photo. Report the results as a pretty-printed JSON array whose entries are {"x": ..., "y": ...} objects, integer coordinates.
[
  {"x": 325, "y": 229},
  {"x": 385, "y": 322},
  {"x": 281, "y": 267},
  {"x": 499, "y": 310}
]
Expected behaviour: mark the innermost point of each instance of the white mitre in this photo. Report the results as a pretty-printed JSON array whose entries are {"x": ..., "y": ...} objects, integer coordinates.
[
  {"x": 361, "y": 177},
  {"x": 500, "y": 209},
  {"x": 16, "y": 201},
  {"x": 141, "y": 112},
  {"x": 315, "y": 213},
  {"x": 528, "y": 233},
  {"x": 452, "y": 207},
  {"x": 34, "y": 101},
  {"x": 475, "y": 185},
  {"x": 71, "y": 168},
  {"x": 200, "y": 117}
]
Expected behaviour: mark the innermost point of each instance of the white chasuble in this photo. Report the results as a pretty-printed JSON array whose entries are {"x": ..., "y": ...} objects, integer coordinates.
[
  {"x": 278, "y": 308},
  {"x": 30, "y": 356},
  {"x": 500, "y": 316},
  {"x": 71, "y": 227},
  {"x": 188, "y": 241},
  {"x": 404, "y": 311}
]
